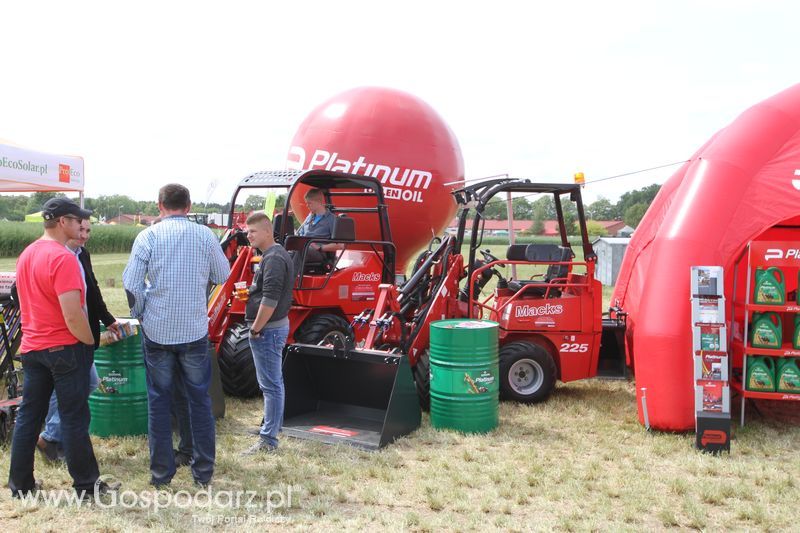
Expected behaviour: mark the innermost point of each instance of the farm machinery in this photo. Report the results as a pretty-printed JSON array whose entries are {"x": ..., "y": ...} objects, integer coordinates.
[
  {"x": 327, "y": 294},
  {"x": 358, "y": 388}
]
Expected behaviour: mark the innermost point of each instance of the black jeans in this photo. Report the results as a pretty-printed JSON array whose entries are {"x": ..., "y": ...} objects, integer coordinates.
[{"x": 65, "y": 368}]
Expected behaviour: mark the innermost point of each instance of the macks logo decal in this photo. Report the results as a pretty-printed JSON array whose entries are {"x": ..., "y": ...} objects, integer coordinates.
[
  {"x": 524, "y": 311},
  {"x": 366, "y": 276}
]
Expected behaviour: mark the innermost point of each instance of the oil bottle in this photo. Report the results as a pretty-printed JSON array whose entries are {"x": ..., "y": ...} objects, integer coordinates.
[
  {"x": 766, "y": 331},
  {"x": 788, "y": 375},
  {"x": 760, "y": 374},
  {"x": 770, "y": 287}
]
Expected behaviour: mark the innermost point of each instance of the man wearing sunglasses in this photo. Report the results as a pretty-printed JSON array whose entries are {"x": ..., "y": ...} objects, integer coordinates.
[{"x": 57, "y": 351}]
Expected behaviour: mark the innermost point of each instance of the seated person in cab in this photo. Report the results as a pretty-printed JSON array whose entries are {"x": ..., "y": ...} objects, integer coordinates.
[{"x": 318, "y": 223}]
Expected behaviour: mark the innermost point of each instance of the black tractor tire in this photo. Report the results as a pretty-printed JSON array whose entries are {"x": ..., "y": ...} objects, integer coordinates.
[
  {"x": 422, "y": 379},
  {"x": 527, "y": 372},
  {"x": 236, "y": 367},
  {"x": 318, "y": 328}
]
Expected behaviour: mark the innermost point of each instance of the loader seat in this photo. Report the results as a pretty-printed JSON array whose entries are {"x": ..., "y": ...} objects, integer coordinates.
[
  {"x": 543, "y": 253},
  {"x": 276, "y": 227},
  {"x": 344, "y": 228}
]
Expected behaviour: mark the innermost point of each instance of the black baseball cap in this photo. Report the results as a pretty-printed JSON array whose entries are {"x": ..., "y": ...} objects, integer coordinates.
[{"x": 59, "y": 207}]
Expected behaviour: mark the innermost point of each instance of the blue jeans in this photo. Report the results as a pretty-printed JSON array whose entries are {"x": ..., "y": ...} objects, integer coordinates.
[
  {"x": 190, "y": 361},
  {"x": 180, "y": 413},
  {"x": 267, "y": 355},
  {"x": 67, "y": 370},
  {"x": 52, "y": 424}
]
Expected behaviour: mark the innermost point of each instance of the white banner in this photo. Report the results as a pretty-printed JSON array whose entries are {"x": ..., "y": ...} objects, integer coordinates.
[{"x": 27, "y": 170}]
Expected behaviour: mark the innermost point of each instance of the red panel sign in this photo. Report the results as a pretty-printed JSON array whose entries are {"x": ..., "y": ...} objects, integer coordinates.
[
  {"x": 775, "y": 253},
  {"x": 63, "y": 173}
]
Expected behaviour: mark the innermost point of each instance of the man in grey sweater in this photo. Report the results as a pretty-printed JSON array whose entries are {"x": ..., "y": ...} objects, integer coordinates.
[{"x": 266, "y": 312}]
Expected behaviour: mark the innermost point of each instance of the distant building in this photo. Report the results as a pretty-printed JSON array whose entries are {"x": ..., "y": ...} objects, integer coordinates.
[
  {"x": 494, "y": 227},
  {"x": 627, "y": 231}
]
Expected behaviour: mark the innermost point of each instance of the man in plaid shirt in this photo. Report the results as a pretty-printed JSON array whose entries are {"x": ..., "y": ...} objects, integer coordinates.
[{"x": 178, "y": 258}]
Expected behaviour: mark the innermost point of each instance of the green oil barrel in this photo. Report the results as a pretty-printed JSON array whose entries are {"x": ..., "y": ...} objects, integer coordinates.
[
  {"x": 760, "y": 374},
  {"x": 770, "y": 288},
  {"x": 766, "y": 331},
  {"x": 796, "y": 336},
  {"x": 464, "y": 375},
  {"x": 119, "y": 404},
  {"x": 788, "y": 375}
]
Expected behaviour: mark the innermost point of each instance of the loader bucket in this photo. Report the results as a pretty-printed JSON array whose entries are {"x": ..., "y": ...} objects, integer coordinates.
[
  {"x": 363, "y": 398},
  {"x": 611, "y": 363}
]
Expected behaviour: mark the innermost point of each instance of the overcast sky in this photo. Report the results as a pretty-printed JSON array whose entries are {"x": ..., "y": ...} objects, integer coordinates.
[{"x": 153, "y": 92}]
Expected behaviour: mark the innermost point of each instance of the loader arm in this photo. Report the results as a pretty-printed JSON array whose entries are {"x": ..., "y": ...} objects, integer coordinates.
[{"x": 221, "y": 296}]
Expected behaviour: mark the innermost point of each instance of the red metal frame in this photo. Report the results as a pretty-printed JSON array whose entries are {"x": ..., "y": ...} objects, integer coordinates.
[{"x": 572, "y": 334}]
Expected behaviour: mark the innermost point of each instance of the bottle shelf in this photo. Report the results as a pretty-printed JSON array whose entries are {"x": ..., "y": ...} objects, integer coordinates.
[
  {"x": 761, "y": 255},
  {"x": 786, "y": 349},
  {"x": 761, "y": 308},
  {"x": 786, "y": 396}
]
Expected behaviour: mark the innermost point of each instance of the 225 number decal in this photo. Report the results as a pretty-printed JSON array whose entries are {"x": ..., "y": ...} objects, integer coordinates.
[{"x": 574, "y": 348}]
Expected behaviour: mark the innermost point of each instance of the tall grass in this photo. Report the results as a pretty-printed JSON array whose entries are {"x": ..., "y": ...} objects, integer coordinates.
[{"x": 15, "y": 236}]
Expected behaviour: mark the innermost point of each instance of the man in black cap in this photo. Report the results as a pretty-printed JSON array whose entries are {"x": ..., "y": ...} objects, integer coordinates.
[
  {"x": 57, "y": 352},
  {"x": 50, "y": 439}
]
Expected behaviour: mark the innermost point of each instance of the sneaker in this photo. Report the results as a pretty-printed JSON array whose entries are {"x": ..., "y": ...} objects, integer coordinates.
[
  {"x": 182, "y": 459},
  {"x": 261, "y": 446},
  {"x": 49, "y": 450}
]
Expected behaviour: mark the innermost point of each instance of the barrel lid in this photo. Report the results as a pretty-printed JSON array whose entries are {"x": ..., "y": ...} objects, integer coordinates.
[{"x": 463, "y": 323}]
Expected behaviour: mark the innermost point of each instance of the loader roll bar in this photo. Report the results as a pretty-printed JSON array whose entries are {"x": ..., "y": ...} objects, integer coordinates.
[
  {"x": 336, "y": 184},
  {"x": 478, "y": 195}
]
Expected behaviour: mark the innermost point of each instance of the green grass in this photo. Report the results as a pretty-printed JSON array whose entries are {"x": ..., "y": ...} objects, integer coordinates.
[{"x": 580, "y": 461}]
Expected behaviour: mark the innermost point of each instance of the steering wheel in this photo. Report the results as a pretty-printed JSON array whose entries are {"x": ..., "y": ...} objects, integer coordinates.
[
  {"x": 488, "y": 257},
  {"x": 487, "y": 274}
]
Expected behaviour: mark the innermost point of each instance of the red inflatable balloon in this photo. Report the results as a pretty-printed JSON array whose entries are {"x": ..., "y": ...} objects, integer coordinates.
[
  {"x": 742, "y": 185},
  {"x": 397, "y": 138}
]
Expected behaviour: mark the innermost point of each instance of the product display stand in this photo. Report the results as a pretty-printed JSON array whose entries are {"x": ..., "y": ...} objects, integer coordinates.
[
  {"x": 770, "y": 296},
  {"x": 711, "y": 363}
]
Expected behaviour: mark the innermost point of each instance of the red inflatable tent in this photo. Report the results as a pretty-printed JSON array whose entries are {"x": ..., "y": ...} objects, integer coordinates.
[{"x": 742, "y": 185}]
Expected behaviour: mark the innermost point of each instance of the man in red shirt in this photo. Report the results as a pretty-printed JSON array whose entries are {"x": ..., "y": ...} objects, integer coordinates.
[{"x": 57, "y": 351}]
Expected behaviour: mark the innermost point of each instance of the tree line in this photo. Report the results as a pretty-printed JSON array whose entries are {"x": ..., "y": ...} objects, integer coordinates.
[
  {"x": 630, "y": 208},
  {"x": 15, "y": 207}
]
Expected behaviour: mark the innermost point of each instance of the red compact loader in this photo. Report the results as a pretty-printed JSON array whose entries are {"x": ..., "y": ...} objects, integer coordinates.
[
  {"x": 328, "y": 295},
  {"x": 551, "y": 327}
]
